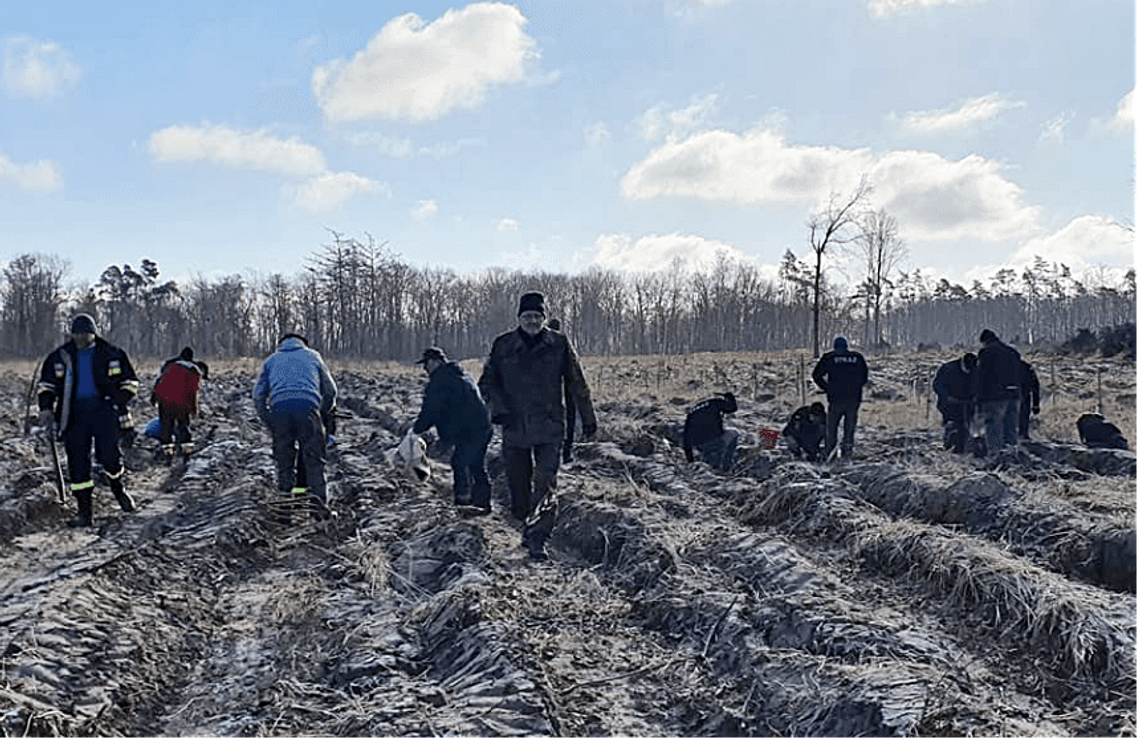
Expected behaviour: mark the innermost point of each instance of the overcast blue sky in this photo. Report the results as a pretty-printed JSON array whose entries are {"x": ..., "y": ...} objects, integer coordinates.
[{"x": 226, "y": 137}]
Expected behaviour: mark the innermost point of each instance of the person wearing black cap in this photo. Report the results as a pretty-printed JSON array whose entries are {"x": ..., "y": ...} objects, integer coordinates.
[
  {"x": 522, "y": 383},
  {"x": 453, "y": 405},
  {"x": 176, "y": 395},
  {"x": 85, "y": 385},
  {"x": 997, "y": 389},
  {"x": 294, "y": 392},
  {"x": 953, "y": 385},
  {"x": 841, "y": 374}
]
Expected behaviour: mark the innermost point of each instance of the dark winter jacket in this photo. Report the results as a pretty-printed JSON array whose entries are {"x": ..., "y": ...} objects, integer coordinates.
[
  {"x": 522, "y": 385},
  {"x": 115, "y": 379},
  {"x": 452, "y": 404},
  {"x": 1030, "y": 387},
  {"x": 841, "y": 375},
  {"x": 294, "y": 374},
  {"x": 998, "y": 374},
  {"x": 954, "y": 388},
  {"x": 705, "y": 422},
  {"x": 807, "y": 426},
  {"x": 1095, "y": 431}
]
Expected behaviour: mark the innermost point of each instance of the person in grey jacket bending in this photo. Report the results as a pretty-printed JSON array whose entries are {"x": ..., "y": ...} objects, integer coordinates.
[{"x": 293, "y": 391}]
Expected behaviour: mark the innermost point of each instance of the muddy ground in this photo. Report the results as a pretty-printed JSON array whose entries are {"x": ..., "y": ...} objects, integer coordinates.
[{"x": 905, "y": 591}]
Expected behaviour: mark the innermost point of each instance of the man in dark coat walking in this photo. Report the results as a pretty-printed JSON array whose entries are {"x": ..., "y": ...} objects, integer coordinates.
[
  {"x": 997, "y": 389},
  {"x": 953, "y": 385},
  {"x": 522, "y": 384},
  {"x": 704, "y": 430},
  {"x": 453, "y": 405},
  {"x": 841, "y": 373},
  {"x": 84, "y": 387}
]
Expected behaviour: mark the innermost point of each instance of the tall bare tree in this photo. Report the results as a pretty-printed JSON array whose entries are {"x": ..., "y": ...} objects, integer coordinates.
[
  {"x": 31, "y": 296},
  {"x": 830, "y": 228},
  {"x": 883, "y": 251}
]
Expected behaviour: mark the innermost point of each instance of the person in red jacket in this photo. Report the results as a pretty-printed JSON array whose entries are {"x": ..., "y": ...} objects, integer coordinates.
[{"x": 176, "y": 395}]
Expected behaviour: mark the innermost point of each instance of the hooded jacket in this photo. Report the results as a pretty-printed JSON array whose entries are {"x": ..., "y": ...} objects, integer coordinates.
[
  {"x": 998, "y": 374},
  {"x": 294, "y": 374},
  {"x": 115, "y": 379},
  {"x": 453, "y": 405},
  {"x": 954, "y": 388},
  {"x": 522, "y": 383}
]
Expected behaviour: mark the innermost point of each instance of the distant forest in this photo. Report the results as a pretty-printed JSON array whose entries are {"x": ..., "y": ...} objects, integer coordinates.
[{"x": 358, "y": 299}]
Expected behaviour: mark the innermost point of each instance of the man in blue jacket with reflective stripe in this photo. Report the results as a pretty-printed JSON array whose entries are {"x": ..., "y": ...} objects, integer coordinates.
[
  {"x": 84, "y": 386},
  {"x": 293, "y": 391}
]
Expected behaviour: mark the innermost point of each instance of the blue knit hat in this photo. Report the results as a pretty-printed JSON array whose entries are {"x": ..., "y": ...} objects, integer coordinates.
[{"x": 840, "y": 344}]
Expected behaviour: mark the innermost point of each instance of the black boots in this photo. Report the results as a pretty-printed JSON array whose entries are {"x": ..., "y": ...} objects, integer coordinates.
[
  {"x": 83, "y": 519},
  {"x": 126, "y": 503}
]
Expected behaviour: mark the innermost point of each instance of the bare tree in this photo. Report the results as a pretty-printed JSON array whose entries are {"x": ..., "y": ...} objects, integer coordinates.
[
  {"x": 883, "y": 251},
  {"x": 30, "y": 300},
  {"x": 829, "y": 228}
]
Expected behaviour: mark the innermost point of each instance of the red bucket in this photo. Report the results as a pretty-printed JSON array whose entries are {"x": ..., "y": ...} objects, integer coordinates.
[{"x": 768, "y": 438}]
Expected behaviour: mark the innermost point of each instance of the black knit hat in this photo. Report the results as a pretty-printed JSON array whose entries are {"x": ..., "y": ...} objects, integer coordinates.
[
  {"x": 83, "y": 324},
  {"x": 432, "y": 353},
  {"x": 532, "y": 302},
  {"x": 988, "y": 336},
  {"x": 186, "y": 354}
]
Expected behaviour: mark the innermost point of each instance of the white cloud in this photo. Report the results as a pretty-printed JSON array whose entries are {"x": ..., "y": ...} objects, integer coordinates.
[
  {"x": 1054, "y": 128},
  {"x": 329, "y": 190},
  {"x": 656, "y": 252},
  {"x": 884, "y": 8},
  {"x": 1125, "y": 117},
  {"x": 508, "y": 224},
  {"x": 597, "y": 133},
  {"x": 424, "y": 210},
  {"x": 969, "y": 113},
  {"x": 37, "y": 69},
  {"x": 1082, "y": 243},
  {"x": 217, "y": 144},
  {"x": 422, "y": 71},
  {"x": 656, "y": 123},
  {"x": 932, "y": 197},
  {"x": 404, "y": 148},
  {"x": 37, "y": 177}
]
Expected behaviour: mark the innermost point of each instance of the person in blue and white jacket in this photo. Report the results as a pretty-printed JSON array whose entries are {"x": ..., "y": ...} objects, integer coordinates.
[{"x": 292, "y": 393}]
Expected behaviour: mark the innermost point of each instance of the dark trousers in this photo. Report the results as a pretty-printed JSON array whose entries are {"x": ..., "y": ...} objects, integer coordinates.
[
  {"x": 173, "y": 423},
  {"x": 298, "y": 431},
  {"x": 469, "y": 471},
  {"x": 719, "y": 451},
  {"x": 955, "y": 433},
  {"x": 532, "y": 478},
  {"x": 92, "y": 420},
  {"x": 1001, "y": 423},
  {"x": 1023, "y": 419},
  {"x": 848, "y": 411}
]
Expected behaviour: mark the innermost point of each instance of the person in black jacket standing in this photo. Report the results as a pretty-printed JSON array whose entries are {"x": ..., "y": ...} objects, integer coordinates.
[
  {"x": 953, "y": 385},
  {"x": 997, "y": 389},
  {"x": 84, "y": 387},
  {"x": 1030, "y": 398},
  {"x": 841, "y": 374},
  {"x": 704, "y": 430},
  {"x": 453, "y": 405}
]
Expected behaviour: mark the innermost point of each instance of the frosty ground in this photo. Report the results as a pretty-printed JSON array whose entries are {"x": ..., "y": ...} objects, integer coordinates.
[{"x": 905, "y": 591}]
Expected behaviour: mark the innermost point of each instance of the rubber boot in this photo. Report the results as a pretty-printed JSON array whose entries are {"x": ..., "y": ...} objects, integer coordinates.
[
  {"x": 83, "y": 519},
  {"x": 126, "y": 503},
  {"x": 168, "y": 453},
  {"x": 187, "y": 449}
]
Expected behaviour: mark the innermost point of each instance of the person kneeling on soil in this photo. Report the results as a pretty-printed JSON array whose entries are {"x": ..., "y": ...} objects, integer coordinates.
[
  {"x": 453, "y": 405},
  {"x": 704, "y": 430},
  {"x": 1096, "y": 432},
  {"x": 805, "y": 431}
]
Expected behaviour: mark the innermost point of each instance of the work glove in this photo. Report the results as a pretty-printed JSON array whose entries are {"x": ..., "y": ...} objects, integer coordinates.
[
  {"x": 46, "y": 420},
  {"x": 589, "y": 430},
  {"x": 504, "y": 418}
]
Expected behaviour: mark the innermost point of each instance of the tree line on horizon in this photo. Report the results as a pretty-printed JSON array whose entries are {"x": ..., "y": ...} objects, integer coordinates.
[{"x": 357, "y": 299}]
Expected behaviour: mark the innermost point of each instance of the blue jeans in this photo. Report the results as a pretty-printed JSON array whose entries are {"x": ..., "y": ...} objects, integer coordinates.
[{"x": 1001, "y": 423}]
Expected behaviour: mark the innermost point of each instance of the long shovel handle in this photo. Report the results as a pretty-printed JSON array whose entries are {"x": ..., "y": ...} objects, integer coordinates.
[{"x": 58, "y": 470}]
